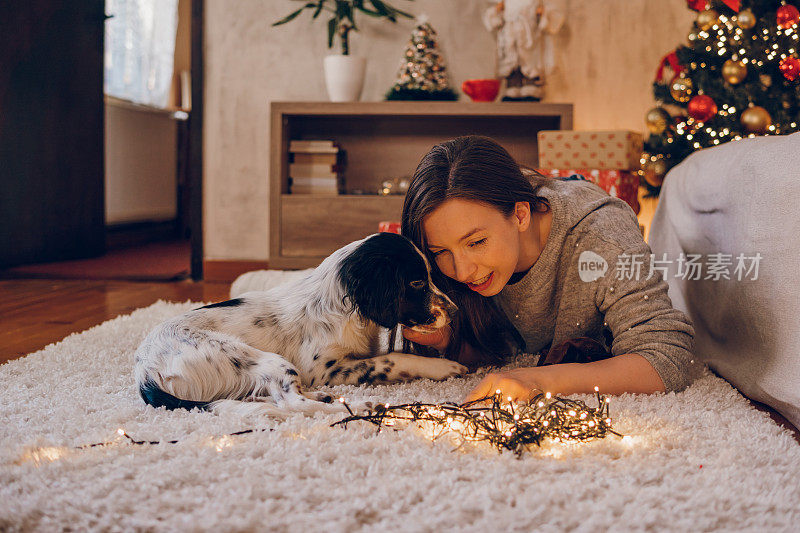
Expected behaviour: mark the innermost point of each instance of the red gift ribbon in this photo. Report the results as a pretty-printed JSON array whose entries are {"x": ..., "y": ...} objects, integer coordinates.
[
  {"x": 733, "y": 4},
  {"x": 672, "y": 59}
]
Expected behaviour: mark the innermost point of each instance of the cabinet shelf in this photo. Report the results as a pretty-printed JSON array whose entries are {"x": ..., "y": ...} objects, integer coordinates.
[{"x": 382, "y": 140}]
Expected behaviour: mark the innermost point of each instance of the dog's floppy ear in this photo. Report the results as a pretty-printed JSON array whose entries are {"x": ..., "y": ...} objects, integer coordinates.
[{"x": 373, "y": 284}]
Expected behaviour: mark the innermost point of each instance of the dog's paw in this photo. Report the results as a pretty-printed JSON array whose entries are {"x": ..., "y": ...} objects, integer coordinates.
[
  {"x": 319, "y": 396},
  {"x": 441, "y": 369}
]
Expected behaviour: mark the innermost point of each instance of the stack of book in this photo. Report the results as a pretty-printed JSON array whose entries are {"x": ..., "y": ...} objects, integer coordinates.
[{"x": 315, "y": 167}]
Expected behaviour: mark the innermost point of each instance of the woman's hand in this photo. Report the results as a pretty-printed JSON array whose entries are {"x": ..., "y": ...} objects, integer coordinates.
[
  {"x": 521, "y": 384},
  {"x": 438, "y": 340}
]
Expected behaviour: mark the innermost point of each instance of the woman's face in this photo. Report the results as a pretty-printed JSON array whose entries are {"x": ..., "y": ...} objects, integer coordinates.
[{"x": 476, "y": 244}]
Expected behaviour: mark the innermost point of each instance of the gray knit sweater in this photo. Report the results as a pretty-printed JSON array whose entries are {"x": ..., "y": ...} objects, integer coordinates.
[{"x": 566, "y": 294}]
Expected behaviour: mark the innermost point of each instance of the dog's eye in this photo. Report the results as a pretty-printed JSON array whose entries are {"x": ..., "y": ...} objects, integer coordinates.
[{"x": 417, "y": 284}]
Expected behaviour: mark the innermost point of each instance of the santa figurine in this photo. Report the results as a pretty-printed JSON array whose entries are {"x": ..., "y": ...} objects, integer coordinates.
[{"x": 524, "y": 43}]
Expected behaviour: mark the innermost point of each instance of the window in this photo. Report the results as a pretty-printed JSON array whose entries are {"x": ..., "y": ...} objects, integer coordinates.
[{"x": 140, "y": 49}]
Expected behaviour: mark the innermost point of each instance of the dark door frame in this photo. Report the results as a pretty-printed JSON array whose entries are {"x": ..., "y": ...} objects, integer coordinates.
[{"x": 195, "y": 174}]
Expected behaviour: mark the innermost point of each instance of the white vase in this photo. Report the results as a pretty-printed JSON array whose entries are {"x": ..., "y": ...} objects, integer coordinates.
[{"x": 344, "y": 77}]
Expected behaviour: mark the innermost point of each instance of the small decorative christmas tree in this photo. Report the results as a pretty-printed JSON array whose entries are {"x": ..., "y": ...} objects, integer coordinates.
[
  {"x": 422, "y": 74},
  {"x": 738, "y": 77}
]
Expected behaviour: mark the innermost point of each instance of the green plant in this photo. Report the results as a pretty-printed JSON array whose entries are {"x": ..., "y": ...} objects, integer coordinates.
[{"x": 343, "y": 16}]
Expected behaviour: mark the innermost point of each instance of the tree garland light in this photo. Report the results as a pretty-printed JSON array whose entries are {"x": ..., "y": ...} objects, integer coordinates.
[
  {"x": 742, "y": 59},
  {"x": 503, "y": 424},
  {"x": 506, "y": 425}
]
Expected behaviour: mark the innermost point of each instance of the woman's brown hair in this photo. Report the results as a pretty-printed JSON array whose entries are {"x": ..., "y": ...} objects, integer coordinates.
[{"x": 479, "y": 169}]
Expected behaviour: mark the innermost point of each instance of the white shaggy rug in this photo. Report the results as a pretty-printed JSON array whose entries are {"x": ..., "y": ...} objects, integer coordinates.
[{"x": 700, "y": 460}]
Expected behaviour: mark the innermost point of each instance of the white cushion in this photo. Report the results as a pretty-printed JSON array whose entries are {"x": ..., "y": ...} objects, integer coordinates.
[
  {"x": 262, "y": 280},
  {"x": 742, "y": 197}
]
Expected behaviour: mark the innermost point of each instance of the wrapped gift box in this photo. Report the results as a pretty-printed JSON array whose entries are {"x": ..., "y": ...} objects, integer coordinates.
[
  {"x": 623, "y": 184},
  {"x": 601, "y": 150}
]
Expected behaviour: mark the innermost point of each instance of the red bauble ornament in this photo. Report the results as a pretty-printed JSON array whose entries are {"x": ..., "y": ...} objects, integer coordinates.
[
  {"x": 790, "y": 67},
  {"x": 702, "y": 108},
  {"x": 787, "y": 16}
]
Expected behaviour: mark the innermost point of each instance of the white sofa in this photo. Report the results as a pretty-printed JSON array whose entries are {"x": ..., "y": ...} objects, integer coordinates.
[{"x": 742, "y": 197}]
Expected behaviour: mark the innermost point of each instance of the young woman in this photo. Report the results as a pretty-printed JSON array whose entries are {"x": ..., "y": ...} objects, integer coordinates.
[{"x": 554, "y": 266}]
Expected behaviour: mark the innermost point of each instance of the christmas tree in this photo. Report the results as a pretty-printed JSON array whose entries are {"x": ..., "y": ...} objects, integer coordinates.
[
  {"x": 422, "y": 74},
  {"x": 738, "y": 77}
]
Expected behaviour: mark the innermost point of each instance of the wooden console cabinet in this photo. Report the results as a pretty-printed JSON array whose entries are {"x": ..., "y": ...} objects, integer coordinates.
[{"x": 382, "y": 140}]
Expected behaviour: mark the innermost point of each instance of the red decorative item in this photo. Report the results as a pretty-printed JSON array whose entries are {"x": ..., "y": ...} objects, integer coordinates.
[
  {"x": 700, "y": 5},
  {"x": 788, "y": 16},
  {"x": 702, "y": 108},
  {"x": 671, "y": 59},
  {"x": 622, "y": 184},
  {"x": 481, "y": 90},
  {"x": 389, "y": 227},
  {"x": 697, "y": 5},
  {"x": 790, "y": 67},
  {"x": 733, "y": 4}
]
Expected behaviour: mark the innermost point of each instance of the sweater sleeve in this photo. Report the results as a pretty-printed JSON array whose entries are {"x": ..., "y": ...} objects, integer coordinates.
[{"x": 632, "y": 297}]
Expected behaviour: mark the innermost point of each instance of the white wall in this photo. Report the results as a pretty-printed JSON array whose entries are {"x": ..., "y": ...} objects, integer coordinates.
[
  {"x": 608, "y": 54},
  {"x": 140, "y": 165}
]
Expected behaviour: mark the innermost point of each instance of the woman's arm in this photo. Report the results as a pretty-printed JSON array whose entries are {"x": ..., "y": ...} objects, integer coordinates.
[
  {"x": 616, "y": 375},
  {"x": 628, "y": 372}
]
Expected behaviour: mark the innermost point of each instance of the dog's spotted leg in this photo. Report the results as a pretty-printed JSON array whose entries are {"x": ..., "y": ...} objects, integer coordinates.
[
  {"x": 279, "y": 380},
  {"x": 389, "y": 368}
]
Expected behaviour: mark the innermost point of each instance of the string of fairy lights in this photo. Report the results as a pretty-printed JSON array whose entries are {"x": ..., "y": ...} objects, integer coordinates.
[{"x": 501, "y": 422}]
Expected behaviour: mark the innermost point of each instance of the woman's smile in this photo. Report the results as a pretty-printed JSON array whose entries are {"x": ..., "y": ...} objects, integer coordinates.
[{"x": 482, "y": 284}]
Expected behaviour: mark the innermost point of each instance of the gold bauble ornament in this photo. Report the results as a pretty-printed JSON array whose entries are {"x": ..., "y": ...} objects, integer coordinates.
[
  {"x": 756, "y": 120},
  {"x": 657, "y": 120},
  {"x": 707, "y": 18},
  {"x": 681, "y": 89},
  {"x": 746, "y": 19},
  {"x": 654, "y": 171},
  {"x": 766, "y": 80},
  {"x": 734, "y": 71}
]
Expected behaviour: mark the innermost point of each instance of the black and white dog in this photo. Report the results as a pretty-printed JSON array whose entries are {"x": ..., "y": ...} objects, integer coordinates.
[{"x": 257, "y": 353}]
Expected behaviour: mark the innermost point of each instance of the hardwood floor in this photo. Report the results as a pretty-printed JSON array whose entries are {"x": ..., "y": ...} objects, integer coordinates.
[{"x": 36, "y": 312}]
